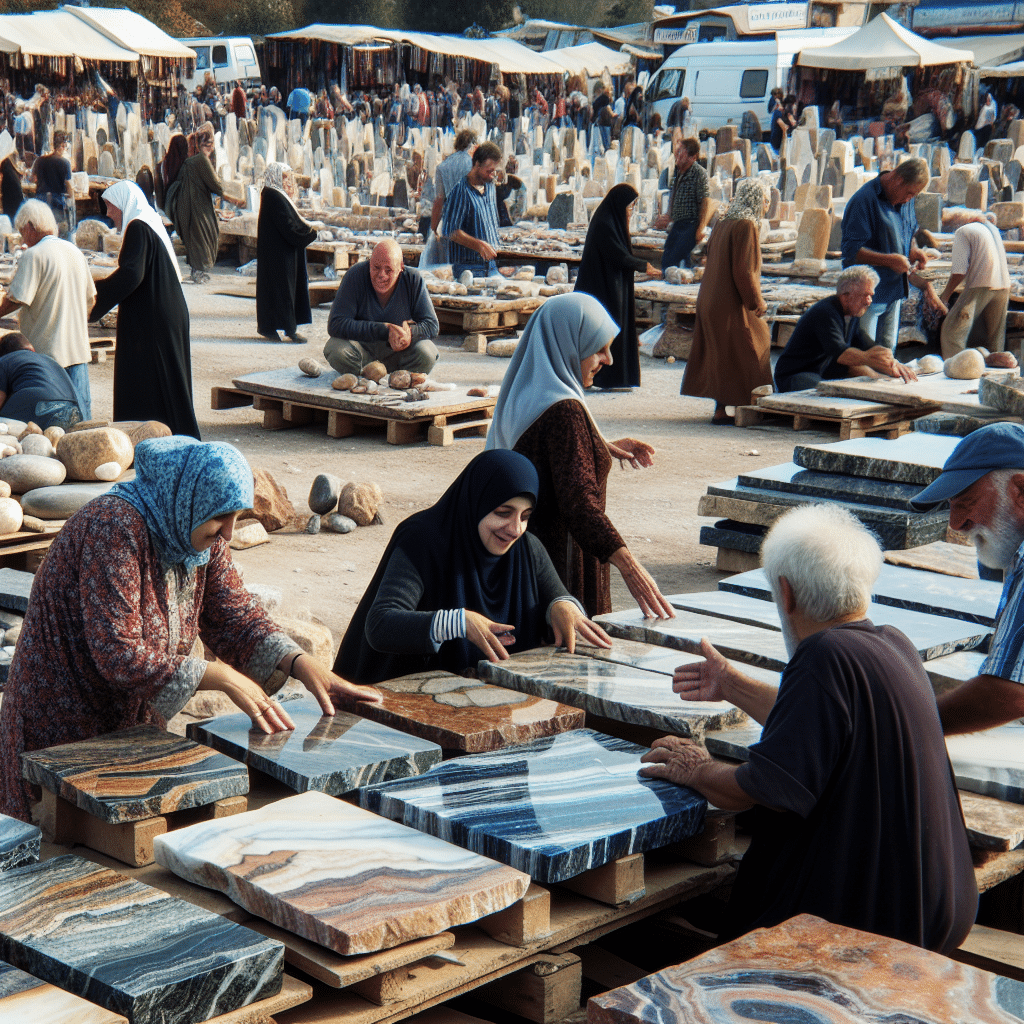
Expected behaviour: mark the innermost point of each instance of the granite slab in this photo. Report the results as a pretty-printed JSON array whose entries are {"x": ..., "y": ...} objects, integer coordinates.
[
  {"x": 809, "y": 971},
  {"x": 914, "y": 589},
  {"x": 339, "y": 875},
  {"x": 129, "y": 947},
  {"x": 135, "y": 773},
  {"x": 15, "y": 587},
  {"x": 957, "y": 424},
  {"x": 933, "y": 635},
  {"x": 19, "y": 843},
  {"x": 27, "y": 1000},
  {"x": 910, "y": 459},
  {"x": 467, "y": 714},
  {"x": 956, "y": 396},
  {"x": 332, "y": 755},
  {"x": 728, "y": 533},
  {"x": 991, "y": 762},
  {"x": 553, "y": 808},
  {"x": 733, "y": 743},
  {"x": 618, "y": 692}
]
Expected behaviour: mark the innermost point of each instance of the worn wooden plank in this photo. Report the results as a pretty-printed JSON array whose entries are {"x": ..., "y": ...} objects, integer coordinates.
[
  {"x": 993, "y": 950},
  {"x": 617, "y": 882},
  {"x": 545, "y": 992}
]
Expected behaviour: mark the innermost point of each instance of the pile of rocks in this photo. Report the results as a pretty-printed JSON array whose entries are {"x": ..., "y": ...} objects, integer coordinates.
[{"x": 341, "y": 508}]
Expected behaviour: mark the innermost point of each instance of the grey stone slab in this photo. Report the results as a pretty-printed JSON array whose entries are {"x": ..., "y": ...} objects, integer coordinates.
[
  {"x": 932, "y": 592},
  {"x": 953, "y": 424},
  {"x": 911, "y": 459},
  {"x": 793, "y": 479},
  {"x": 948, "y": 672},
  {"x": 990, "y": 762},
  {"x": 19, "y": 843},
  {"x": 733, "y": 743},
  {"x": 15, "y": 587},
  {"x": 650, "y": 657},
  {"x": 736, "y": 536}
]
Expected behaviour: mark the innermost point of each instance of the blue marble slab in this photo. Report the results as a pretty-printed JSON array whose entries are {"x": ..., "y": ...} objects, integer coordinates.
[
  {"x": 990, "y": 762},
  {"x": 553, "y": 808},
  {"x": 900, "y": 587},
  {"x": 792, "y": 479},
  {"x": 27, "y": 1000},
  {"x": 331, "y": 754},
  {"x": 910, "y": 459},
  {"x": 19, "y": 843},
  {"x": 129, "y": 947}
]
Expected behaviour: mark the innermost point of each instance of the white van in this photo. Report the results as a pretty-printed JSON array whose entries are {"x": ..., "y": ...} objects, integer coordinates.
[
  {"x": 726, "y": 79},
  {"x": 230, "y": 58}
]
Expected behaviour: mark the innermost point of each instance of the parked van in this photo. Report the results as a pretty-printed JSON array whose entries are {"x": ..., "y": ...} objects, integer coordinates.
[
  {"x": 230, "y": 58},
  {"x": 725, "y": 79}
]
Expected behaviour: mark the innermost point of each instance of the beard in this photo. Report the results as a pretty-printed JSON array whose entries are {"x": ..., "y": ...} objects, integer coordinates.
[
  {"x": 997, "y": 543},
  {"x": 789, "y": 637}
]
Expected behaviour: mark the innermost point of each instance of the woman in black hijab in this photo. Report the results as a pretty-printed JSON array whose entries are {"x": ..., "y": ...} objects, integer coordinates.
[
  {"x": 462, "y": 580},
  {"x": 606, "y": 272}
]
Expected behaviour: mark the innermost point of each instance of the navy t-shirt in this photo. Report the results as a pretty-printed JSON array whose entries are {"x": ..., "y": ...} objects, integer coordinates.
[
  {"x": 52, "y": 175},
  {"x": 27, "y": 378},
  {"x": 820, "y": 337}
]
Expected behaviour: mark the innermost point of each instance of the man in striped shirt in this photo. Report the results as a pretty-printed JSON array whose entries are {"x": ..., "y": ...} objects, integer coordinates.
[
  {"x": 470, "y": 217},
  {"x": 983, "y": 481}
]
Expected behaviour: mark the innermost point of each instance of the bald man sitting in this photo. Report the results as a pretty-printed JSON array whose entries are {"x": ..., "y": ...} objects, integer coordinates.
[{"x": 382, "y": 312}]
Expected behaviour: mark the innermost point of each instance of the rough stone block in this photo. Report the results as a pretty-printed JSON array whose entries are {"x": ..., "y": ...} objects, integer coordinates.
[
  {"x": 1005, "y": 393},
  {"x": 928, "y": 207},
  {"x": 1008, "y": 215},
  {"x": 977, "y": 195},
  {"x": 960, "y": 176},
  {"x": 814, "y": 231}
]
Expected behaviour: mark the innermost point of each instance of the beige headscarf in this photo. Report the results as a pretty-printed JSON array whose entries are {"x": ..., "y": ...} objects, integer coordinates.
[{"x": 748, "y": 202}]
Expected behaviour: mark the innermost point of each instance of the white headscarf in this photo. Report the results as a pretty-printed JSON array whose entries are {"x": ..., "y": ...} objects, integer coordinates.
[
  {"x": 273, "y": 177},
  {"x": 546, "y": 367},
  {"x": 132, "y": 202}
]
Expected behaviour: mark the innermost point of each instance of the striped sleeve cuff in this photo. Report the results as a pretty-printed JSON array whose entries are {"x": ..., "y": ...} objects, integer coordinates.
[{"x": 448, "y": 624}]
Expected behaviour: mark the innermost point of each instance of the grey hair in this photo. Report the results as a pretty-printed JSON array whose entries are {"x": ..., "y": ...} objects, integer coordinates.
[
  {"x": 38, "y": 214},
  {"x": 852, "y": 277},
  {"x": 913, "y": 171},
  {"x": 829, "y": 558}
]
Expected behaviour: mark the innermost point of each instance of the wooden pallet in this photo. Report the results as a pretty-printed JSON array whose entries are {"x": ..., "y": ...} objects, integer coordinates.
[
  {"x": 101, "y": 349},
  {"x": 888, "y": 425}
]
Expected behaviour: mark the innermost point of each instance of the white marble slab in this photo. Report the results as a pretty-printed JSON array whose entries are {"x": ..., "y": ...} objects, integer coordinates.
[{"x": 990, "y": 762}]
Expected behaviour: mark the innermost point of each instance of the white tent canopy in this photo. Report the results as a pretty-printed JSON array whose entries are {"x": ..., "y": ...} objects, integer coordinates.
[
  {"x": 1014, "y": 70},
  {"x": 881, "y": 43},
  {"x": 132, "y": 31},
  {"x": 989, "y": 51},
  {"x": 591, "y": 59},
  {"x": 59, "y": 34}
]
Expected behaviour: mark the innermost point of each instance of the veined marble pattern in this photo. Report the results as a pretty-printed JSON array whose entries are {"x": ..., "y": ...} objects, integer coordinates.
[
  {"x": 136, "y": 773},
  {"x": 807, "y": 971},
  {"x": 467, "y": 714},
  {"x": 129, "y": 947},
  {"x": 990, "y": 762},
  {"x": 911, "y": 459},
  {"x": 613, "y": 691},
  {"x": 554, "y": 808},
  {"x": 19, "y": 843},
  {"x": 27, "y": 1000},
  {"x": 333, "y": 755},
  {"x": 649, "y": 657},
  {"x": 339, "y": 875},
  {"x": 792, "y": 479}
]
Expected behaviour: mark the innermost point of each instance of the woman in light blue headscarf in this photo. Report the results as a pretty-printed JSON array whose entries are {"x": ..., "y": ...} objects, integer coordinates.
[{"x": 127, "y": 587}]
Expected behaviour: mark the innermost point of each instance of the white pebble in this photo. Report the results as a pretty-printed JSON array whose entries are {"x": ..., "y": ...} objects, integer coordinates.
[{"x": 107, "y": 471}]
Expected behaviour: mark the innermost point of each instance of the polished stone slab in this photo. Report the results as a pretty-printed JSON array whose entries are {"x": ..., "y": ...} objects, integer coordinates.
[
  {"x": 910, "y": 459},
  {"x": 331, "y": 754},
  {"x": 949, "y": 672},
  {"x": 467, "y": 714},
  {"x": 727, "y": 533},
  {"x": 135, "y": 773},
  {"x": 793, "y": 479},
  {"x": 649, "y": 657},
  {"x": 27, "y": 1000},
  {"x": 941, "y": 557},
  {"x": 129, "y": 947},
  {"x": 991, "y": 762},
  {"x": 931, "y": 592},
  {"x": 733, "y": 743},
  {"x": 553, "y": 808},
  {"x": 933, "y": 635},
  {"x": 15, "y": 587},
  {"x": 339, "y": 875},
  {"x": 618, "y": 692},
  {"x": 809, "y": 971},
  {"x": 19, "y": 843}
]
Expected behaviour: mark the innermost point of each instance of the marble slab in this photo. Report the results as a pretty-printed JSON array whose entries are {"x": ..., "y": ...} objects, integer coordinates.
[
  {"x": 330, "y": 754},
  {"x": 15, "y": 587},
  {"x": 910, "y": 459},
  {"x": 949, "y": 672},
  {"x": 933, "y": 635},
  {"x": 991, "y": 762},
  {"x": 618, "y": 692},
  {"x": 733, "y": 743},
  {"x": 19, "y": 843},
  {"x": 27, "y": 1000},
  {"x": 553, "y": 808},
  {"x": 467, "y": 714},
  {"x": 809, "y": 971},
  {"x": 135, "y": 773},
  {"x": 941, "y": 557},
  {"x": 129, "y": 947},
  {"x": 339, "y": 875},
  {"x": 914, "y": 589},
  {"x": 649, "y": 657},
  {"x": 957, "y": 396}
]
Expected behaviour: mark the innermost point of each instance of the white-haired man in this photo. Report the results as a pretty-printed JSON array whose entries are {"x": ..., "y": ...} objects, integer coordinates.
[
  {"x": 825, "y": 344},
  {"x": 54, "y": 292},
  {"x": 856, "y": 817}
]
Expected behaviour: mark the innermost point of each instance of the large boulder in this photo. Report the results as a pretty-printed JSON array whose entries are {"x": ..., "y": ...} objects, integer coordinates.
[
  {"x": 82, "y": 451},
  {"x": 27, "y": 472},
  {"x": 270, "y": 504}
]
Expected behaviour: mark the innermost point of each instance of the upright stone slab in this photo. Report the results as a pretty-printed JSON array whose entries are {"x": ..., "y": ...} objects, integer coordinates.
[
  {"x": 976, "y": 196},
  {"x": 1000, "y": 149},
  {"x": 560, "y": 211},
  {"x": 960, "y": 176},
  {"x": 813, "y": 234},
  {"x": 1012, "y": 174},
  {"x": 725, "y": 138},
  {"x": 928, "y": 209},
  {"x": 1015, "y": 133}
]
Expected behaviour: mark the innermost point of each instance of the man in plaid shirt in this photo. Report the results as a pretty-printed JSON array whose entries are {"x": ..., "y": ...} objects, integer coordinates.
[{"x": 691, "y": 206}]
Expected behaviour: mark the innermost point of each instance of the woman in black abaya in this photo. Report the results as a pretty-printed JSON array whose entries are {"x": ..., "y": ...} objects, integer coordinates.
[
  {"x": 461, "y": 581},
  {"x": 606, "y": 272},
  {"x": 153, "y": 369}
]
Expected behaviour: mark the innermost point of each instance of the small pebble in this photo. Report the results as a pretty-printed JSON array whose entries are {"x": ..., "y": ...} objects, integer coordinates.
[
  {"x": 313, "y": 526},
  {"x": 670, "y": 359},
  {"x": 337, "y": 523},
  {"x": 753, "y": 451}
]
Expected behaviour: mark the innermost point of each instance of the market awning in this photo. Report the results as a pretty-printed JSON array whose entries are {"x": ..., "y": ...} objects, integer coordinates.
[
  {"x": 1013, "y": 70},
  {"x": 881, "y": 43},
  {"x": 591, "y": 59},
  {"x": 989, "y": 51},
  {"x": 60, "y": 34},
  {"x": 132, "y": 31}
]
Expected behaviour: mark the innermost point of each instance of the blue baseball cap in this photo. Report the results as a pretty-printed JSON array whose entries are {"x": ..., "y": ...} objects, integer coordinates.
[{"x": 992, "y": 447}]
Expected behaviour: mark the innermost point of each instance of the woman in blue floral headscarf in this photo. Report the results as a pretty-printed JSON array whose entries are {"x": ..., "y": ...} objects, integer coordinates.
[{"x": 128, "y": 585}]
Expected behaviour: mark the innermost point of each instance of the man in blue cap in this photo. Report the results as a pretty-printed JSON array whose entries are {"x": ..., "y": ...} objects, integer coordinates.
[{"x": 983, "y": 481}]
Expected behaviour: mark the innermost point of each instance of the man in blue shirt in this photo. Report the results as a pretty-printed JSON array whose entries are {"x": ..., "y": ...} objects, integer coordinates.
[
  {"x": 470, "y": 217},
  {"x": 879, "y": 224},
  {"x": 299, "y": 102}
]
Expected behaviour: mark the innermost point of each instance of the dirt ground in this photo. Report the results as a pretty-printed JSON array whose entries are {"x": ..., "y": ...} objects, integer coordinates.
[{"x": 655, "y": 509}]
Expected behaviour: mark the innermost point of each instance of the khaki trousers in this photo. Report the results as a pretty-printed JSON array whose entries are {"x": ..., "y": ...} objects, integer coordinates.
[{"x": 978, "y": 317}]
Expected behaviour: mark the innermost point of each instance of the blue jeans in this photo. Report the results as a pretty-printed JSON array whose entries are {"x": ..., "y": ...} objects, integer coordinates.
[
  {"x": 79, "y": 374},
  {"x": 680, "y": 242},
  {"x": 57, "y": 414},
  {"x": 881, "y": 323},
  {"x": 489, "y": 269}
]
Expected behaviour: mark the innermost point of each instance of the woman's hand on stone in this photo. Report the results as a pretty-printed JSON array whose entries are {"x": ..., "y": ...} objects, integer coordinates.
[
  {"x": 328, "y": 687},
  {"x": 267, "y": 715},
  {"x": 490, "y": 637},
  {"x": 567, "y": 621}
]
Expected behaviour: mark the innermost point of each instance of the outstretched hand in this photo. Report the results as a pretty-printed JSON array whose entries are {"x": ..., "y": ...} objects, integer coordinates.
[
  {"x": 638, "y": 454},
  {"x": 702, "y": 680},
  {"x": 328, "y": 687},
  {"x": 567, "y": 620}
]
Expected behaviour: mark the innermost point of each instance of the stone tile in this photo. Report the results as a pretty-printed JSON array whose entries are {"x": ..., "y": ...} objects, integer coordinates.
[
  {"x": 727, "y": 533},
  {"x": 339, "y": 875},
  {"x": 333, "y": 755},
  {"x": 135, "y": 773},
  {"x": 650, "y": 657},
  {"x": 911, "y": 459},
  {"x": 941, "y": 557},
  {"x": 618, "y": 692},
  {"x": 467, "y": 714},
  {"x": 554, "y": 808},
  {"x": 19, "y": 843},
  {"x": 992, "y": 824},
  {"x": 807, "y": 969},
  {"x": 129, "y": 947},
  {"x": 733, "y": 743},
  {"x": 15, "y": 587},
  {"x": 991, "y": 762},
  {"x": 28, "y": 1000}
]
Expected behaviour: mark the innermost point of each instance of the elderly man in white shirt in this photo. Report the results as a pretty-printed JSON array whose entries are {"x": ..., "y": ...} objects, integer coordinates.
[
  {"x": 978, "y": 316},
  {"x": 54, "y": 292}
]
